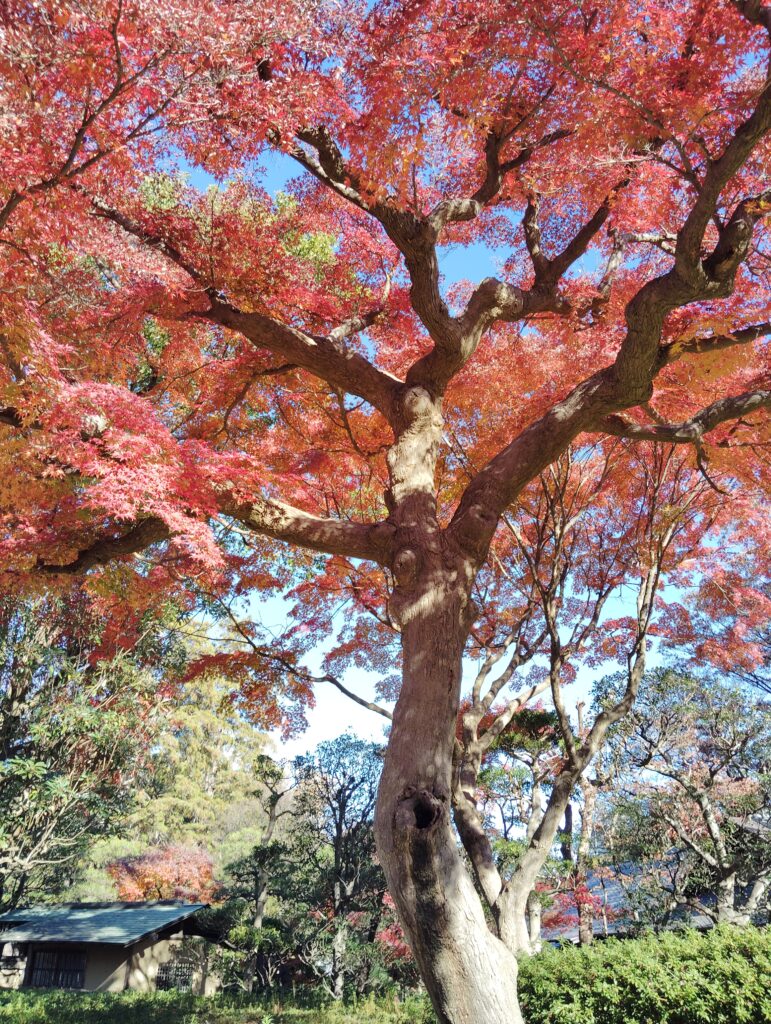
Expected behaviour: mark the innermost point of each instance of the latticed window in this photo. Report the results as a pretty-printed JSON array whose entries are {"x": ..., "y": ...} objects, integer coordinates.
[
  {"x": 58, "y": 968},
  {"x": 175, "y": 974}
]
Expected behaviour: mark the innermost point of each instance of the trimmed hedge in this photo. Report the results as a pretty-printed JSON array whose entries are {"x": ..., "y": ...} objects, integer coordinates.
[
  {"x": 720, "y": 977},
  {"x": 39, "y": 1007}
]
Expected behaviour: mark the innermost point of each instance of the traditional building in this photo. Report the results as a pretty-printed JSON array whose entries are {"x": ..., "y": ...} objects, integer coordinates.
[{"x": 105, "y": 947}]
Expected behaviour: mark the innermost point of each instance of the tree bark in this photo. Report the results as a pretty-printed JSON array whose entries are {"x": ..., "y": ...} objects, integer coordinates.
[
  {"x": 469, "y": 973},
  {"x": 513, "y": 922},
  {"x": 338, "y": 962},
  {"x": 585, "y": 908},
  {"x": 534, "y": 914}
]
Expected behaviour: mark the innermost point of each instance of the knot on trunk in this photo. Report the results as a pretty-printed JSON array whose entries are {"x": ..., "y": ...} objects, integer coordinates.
[
  {"x": 419, "y": 809},
  {"x": 405, "y": 567}
]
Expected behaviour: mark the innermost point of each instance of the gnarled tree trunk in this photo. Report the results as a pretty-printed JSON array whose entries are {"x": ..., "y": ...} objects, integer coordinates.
[{"x": 469, "y": 972}]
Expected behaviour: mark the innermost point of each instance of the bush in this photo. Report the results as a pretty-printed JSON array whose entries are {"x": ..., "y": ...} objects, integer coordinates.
[
  {"x": 720, "y": 977},
  {"x": 39, "y": 1007}
]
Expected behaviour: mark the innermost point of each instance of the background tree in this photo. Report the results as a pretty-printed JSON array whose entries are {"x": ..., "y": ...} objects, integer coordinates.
[
  {"x": 203, "y": 787},
  {"x": 695, "y": 806},
  {"x": 335, "y": 805},
  {"x": 76, "y": 731},
  {"x": 284, "y": 404},
  {"x": 171, "y": 873},
  {"x": 592, "y": 528},
  {"x": 311, "y": 893},
  {"x": 260, "y": 950}
]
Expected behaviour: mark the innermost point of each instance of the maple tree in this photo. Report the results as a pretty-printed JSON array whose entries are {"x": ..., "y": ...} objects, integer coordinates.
[
  {"x": 170, "y": 872},
  {"x": 188, "y": 378}
]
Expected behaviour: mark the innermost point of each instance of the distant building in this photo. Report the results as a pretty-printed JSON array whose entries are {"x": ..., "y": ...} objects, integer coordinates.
[
  {"x": 105, "y": 947},
  {"x": 615, "y": 914}
]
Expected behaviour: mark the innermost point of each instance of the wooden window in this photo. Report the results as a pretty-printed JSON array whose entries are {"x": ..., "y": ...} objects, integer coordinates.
[
  {"x": 58, "y": 968},
  {"x": 175, "y": 974}
]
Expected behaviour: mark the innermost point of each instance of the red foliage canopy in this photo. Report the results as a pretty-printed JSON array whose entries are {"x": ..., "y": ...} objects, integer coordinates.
[
  {"x": 188, "y": 376},
  {"x": 173, "y": 872}
]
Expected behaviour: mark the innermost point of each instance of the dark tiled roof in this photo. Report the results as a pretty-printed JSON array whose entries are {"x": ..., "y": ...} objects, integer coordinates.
[{"x": 117, "y": 924}]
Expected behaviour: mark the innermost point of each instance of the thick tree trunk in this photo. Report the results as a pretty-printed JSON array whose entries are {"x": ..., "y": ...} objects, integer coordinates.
[
  {"x": 727, "y": 911},
  {"x": 469, "y": 973}
]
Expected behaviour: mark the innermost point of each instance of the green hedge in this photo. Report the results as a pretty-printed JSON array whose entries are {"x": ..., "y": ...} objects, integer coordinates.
[
  {"x": 37, "y": 1007},
  {"x": 720, "y": 977}
]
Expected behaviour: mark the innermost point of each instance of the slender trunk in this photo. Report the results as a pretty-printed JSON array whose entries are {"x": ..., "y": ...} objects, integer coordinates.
[
  {"x": 338, "y": 962},
  {"x": 585, "y": 923},
  {"x": 585, "y": 907},
  {"x": 534, "y": 921},
  {"x": 566, "y": 836},
  {"x": 469, "y": 973},
  {"x": 260, "y": 901},
  {"x": 250, "y": 972},
  {"x": 513, "y": 903}
]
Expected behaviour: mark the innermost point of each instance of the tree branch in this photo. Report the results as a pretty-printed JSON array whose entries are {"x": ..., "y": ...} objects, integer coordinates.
[
  {"x": 693, "y": 429},
  {"x": 629, "y": 380},
  {"x": 267, "y": 517},
  {"x": 325, "y": 356},
  {"x": 707, "y": 344}
]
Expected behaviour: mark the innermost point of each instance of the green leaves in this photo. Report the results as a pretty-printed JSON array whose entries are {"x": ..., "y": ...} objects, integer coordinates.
[{"x": 720, "y": 977}]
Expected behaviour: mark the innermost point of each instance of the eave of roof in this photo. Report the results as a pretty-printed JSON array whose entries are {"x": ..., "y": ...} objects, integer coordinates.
[{"x": 114, "y": 924}]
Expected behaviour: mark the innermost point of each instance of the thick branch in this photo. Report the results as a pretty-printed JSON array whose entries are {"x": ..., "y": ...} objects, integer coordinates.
[
  {"x": 708, "y": 344},
  {"x": 266, "y": 517},
  {"x": 100, "y": 552},
  {"x": 719, "y": 173},
  {"x": 691, "y": 430},
  {"x": 628, "y": 382},
  {"x": 325, "y": 356},
  {"x": 416, "y": 237},
  {"x": 272, "y": 518}
]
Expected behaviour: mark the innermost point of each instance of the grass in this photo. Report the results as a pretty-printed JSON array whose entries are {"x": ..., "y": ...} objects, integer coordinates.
[{"x": 30, "y": 1007}]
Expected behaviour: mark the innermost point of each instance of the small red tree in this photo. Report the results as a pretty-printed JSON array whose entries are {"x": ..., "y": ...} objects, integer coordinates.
[{"x": 173, "y": 872}]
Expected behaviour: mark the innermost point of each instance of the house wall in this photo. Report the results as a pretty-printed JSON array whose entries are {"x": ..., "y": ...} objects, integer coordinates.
[
  {"x": 12, "y": 966},
  {"x": 114, "y": 969},
  {"x": 105, "y": 969},
  {"x": 146, "y": 958}
]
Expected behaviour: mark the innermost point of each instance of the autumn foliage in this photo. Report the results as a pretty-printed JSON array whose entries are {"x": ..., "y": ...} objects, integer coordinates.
[{"x": 171, "y": 872}]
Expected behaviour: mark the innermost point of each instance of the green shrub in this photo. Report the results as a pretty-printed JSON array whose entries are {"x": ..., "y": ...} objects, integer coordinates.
[
  {"x": 720, "y": 977},
  {"x": 38, "y": 1007}
]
